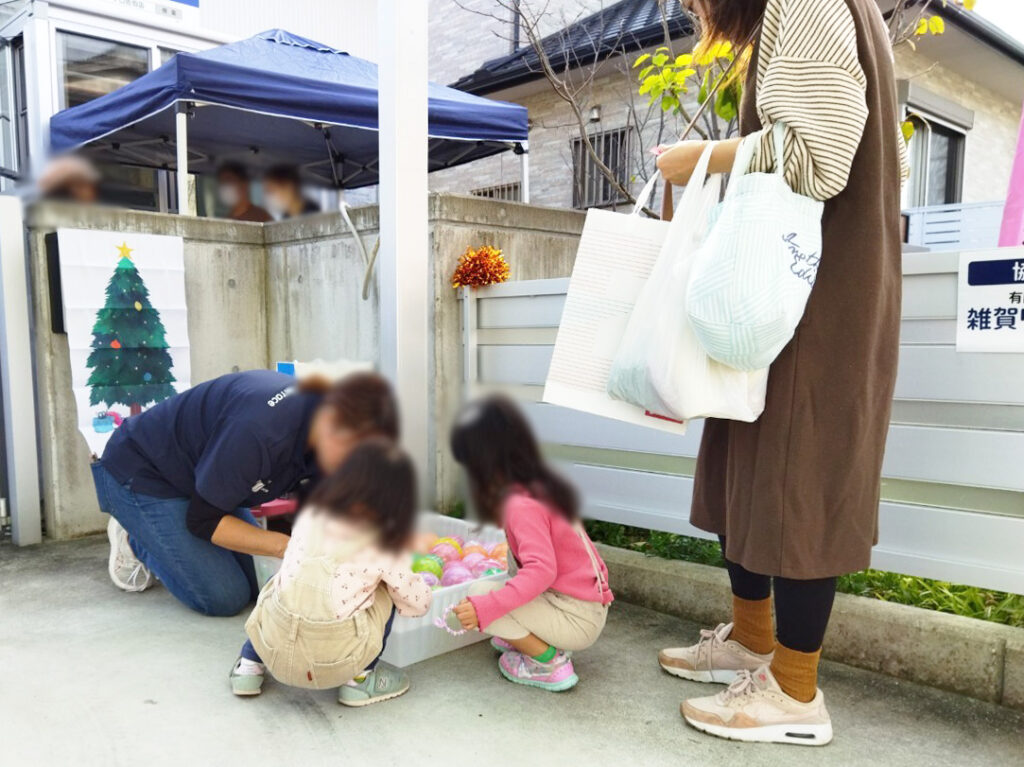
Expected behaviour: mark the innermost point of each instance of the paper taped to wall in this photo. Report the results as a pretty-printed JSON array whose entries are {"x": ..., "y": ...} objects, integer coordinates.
[{"x": 127, "y": 325}]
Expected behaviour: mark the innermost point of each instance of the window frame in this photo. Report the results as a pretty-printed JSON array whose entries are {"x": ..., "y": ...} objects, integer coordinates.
[
  {"x": 60, "y": 63},
  {"x": 920, "y": 159},
  {"x": 15, "y": 87},
  {"x": 593, "y": 190}
]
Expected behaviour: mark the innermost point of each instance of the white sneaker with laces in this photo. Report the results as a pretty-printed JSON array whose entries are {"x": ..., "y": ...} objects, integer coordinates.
[
  {"x": 755, "y": 709},
  {"x": 126, "y": 571},
  {"x": 715, "y": 658}
]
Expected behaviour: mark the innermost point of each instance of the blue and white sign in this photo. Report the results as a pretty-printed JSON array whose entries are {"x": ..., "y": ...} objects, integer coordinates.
[{"x": 990, "y": 301}]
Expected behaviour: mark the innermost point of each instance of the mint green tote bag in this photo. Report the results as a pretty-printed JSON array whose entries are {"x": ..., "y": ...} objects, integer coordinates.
[{"x": 754, "y": 270}]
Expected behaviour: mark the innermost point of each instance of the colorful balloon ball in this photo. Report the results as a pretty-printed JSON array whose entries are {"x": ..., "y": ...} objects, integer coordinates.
[
  {"x": 428, "y": 564},
  {"x": 446, "y": 551},
  {"x": 493, "y": 571},
  {"x": 455, "y": 542},
  {"x": 473, "y": 548},
  {"x": 430, "y": 579},
  {"x": 489, "y": 563},
  {"x": 499, "y": 550},
  {"x": 456, "y": 573},
  {"x": 472, "y": 559}
]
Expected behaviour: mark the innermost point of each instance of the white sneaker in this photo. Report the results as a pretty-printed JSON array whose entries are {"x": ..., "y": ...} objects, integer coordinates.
[
  {"x": 126, "y": 571},
  {"x": 755, "y": 709},
  {"x": 715, "y": 658}
]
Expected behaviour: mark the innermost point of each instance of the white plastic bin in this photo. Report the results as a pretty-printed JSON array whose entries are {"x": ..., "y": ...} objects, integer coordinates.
[{"x": 416, "y": 639}]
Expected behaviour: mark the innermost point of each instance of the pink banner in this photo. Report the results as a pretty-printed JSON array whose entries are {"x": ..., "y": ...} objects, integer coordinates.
[{"x": 1012, "y": 231}]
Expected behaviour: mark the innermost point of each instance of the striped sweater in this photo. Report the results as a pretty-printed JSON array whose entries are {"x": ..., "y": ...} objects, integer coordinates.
[{"x": 809, "y": 76}]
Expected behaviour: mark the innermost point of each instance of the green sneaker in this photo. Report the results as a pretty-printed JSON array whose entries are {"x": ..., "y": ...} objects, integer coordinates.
[
  {"x": 245, "y": 684},
  {"x": 383, "y": 683}
]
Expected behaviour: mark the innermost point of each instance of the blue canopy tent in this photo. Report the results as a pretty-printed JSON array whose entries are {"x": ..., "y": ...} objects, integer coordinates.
[{"x": 274, "y": 98}]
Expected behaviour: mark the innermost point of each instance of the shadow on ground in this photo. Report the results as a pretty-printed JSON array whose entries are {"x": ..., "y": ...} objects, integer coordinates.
[{"x": 92, "y": 676}]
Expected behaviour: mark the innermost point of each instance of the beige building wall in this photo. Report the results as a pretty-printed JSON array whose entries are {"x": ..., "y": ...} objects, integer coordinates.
[
  {"x": 989, "y": 149},
  {"x": 991, "y": 143}
]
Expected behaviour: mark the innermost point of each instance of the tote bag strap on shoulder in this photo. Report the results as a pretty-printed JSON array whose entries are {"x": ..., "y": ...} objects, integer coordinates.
[{"x": 745, "y": 154}]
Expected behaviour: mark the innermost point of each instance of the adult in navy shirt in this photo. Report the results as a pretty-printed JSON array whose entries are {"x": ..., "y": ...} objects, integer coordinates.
[{"x": 179, "y": 478}]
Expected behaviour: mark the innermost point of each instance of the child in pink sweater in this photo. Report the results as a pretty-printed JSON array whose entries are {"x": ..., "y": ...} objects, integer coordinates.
[{"x": 557, "y": 600}]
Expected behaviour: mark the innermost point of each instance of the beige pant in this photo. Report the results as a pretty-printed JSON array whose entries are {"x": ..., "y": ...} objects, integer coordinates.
[
  {"x": 317, "y": 654},
  {"x": 563, "y": 621}
]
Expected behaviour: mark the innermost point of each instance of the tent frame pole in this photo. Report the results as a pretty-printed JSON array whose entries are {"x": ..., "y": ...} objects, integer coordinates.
[
  {"x": 181, "y": 146},
  {"x": 524, "y": 165}
]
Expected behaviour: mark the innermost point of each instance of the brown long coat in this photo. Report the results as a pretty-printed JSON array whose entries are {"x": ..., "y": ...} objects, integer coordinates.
[{"x": 796, "y": 492}]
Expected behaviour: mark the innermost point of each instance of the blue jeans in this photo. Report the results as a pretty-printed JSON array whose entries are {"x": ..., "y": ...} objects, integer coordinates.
[{"x": 201, "y": 575}]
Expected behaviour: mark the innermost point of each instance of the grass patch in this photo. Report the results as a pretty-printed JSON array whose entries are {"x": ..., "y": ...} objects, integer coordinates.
[{"x": 971, "y": 602}]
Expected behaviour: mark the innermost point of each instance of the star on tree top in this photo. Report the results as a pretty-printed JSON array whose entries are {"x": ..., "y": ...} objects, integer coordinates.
[{"x": 124, "y": 250}]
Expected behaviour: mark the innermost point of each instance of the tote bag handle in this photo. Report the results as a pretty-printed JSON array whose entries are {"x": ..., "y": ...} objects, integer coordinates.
[
  {"x": 745, "y": 153},
  {"x": 666, "y": 197}
]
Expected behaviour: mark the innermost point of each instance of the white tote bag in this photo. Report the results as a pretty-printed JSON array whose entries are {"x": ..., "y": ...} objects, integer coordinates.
[
  {"x": 660, "y": 366},
  {"x": 754, "y": 271},
  {"x": 616, "y": 254}
]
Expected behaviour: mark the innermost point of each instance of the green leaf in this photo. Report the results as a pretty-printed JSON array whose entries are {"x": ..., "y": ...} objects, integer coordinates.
[
  {"x": 640, "y": 60},
  {"x": 660, "y": 59},
  {"x": 907, "y": 129},
  {"x": 726, "y": 104},
  {"x": 645, "y": 71},
  {"x": 684, "y": 60},
  {"x": 936, "y": 25}
]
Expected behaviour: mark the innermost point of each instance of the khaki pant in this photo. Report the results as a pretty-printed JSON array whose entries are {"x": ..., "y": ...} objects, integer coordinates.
[
  {"x": 317, "y": 654},
  {"x": 560, "y": 620}
]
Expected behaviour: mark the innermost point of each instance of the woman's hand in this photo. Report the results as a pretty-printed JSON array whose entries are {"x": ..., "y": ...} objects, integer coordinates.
[
  {"x": 678, "y": 161},
  {"x": 466, "y": 614}
]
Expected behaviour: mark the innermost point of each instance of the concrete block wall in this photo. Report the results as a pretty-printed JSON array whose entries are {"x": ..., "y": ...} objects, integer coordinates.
[
  {"x": 225, "y": 286},
  {"x": 315, "y": 274},
  {"x": 537, "y": 242},
  {"x": 288, "y": 290}
]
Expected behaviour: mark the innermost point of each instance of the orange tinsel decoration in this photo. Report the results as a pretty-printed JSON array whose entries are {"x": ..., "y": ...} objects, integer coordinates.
[{"x": 481, "y": 266}]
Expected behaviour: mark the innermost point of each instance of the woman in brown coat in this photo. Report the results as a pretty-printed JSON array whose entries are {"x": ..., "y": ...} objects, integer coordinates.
[{"x": 794, "y": 495}]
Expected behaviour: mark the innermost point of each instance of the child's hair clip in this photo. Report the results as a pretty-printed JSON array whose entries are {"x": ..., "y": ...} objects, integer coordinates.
[{"x": 442, "y": 622}]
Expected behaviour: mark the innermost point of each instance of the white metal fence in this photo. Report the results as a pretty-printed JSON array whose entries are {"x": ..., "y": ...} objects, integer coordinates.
[
  {"x": 953, "y": 490},
  {"x": 970, "y": 226}
]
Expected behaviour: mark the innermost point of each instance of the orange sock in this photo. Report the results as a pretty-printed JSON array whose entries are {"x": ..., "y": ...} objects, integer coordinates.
[
  {"x": 752, "y": 624},
  {"x": 796, "y": 672}
]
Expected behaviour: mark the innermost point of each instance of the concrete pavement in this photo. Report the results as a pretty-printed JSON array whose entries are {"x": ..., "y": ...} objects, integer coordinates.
[{"x": 92, "y": 676}]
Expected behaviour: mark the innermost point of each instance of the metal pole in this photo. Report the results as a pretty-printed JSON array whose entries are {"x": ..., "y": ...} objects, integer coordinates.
[
  {"x": 405, "y": 274},
  {"x": 524, "y": 161},
  {"x": 181, "y": 145},
  {"x": 16, "y": 377}
]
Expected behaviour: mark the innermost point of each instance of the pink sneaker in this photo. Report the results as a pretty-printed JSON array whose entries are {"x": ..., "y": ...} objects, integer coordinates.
[
  {"x": 501, "y": 645},
  {"x": 556, "y": 676}
]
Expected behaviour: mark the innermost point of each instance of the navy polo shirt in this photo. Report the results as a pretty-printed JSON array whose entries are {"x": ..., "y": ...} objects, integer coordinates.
[{"x": 238, "y": 440}]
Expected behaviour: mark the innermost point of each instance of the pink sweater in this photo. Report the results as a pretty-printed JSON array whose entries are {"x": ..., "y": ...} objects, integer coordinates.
[{"x": 550, "y": 555}]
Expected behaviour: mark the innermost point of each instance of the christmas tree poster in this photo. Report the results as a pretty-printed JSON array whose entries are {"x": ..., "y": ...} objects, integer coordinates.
[{"x": 127, "y": 324}]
